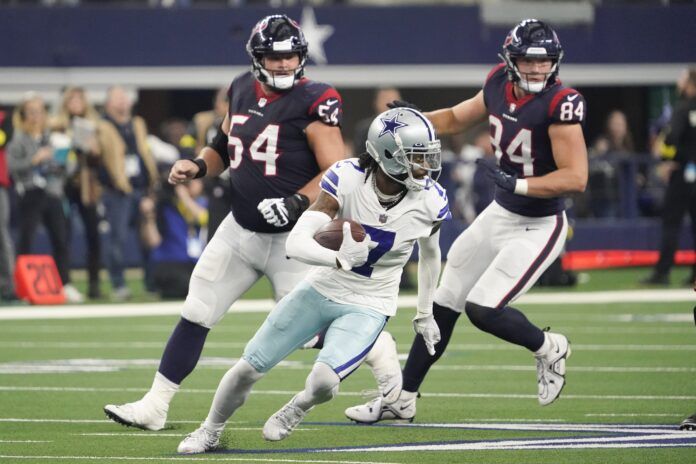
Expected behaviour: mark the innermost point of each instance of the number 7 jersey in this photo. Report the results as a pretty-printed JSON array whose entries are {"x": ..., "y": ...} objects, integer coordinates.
[
  {"x": 395, "y": 230},
  {"x": 267, "y": 145},
  {"x": 520, "y": 135}
]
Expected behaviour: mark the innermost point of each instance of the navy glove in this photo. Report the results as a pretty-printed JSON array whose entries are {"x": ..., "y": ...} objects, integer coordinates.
[
  {"x": 503, "y": 180},
  {"x": 402, "y": 104}
]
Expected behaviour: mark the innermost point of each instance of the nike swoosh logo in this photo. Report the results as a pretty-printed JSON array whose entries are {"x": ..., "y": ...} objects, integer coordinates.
[
  {"x": 572, "y": 97},
  {"x": 331, "y": 101},
  {"x": 527, "y": 229}
]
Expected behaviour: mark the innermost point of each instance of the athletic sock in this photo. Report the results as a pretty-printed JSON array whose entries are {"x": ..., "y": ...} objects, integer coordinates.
[{"x": 183, "y": 351}]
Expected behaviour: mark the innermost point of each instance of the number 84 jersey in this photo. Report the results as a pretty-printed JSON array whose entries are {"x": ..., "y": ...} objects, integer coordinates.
[
  {"x": 520, "y": 135},
  {"x": 394, "y": 231}
]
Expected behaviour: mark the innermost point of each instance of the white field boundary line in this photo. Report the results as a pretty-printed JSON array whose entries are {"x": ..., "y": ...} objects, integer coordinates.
[
  {"x": 26, "y": 441},
  {"x": 7, "y": 388},
  {"x": 265, "y": 305},
  {"x": 217, "y": 458}
]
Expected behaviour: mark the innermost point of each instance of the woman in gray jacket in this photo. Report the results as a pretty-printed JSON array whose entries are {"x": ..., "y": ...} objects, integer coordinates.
[{"x": 38, "y": 172}]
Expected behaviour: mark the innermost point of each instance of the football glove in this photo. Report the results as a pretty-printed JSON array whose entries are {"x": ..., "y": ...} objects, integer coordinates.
[
  {"x": 280, "y": 212},
  {"x": 502, "y": 179},
  {"x": 427, "y": 327},
  {"x": 353, "y": 254},
  {"x": 402, "y": 104}
]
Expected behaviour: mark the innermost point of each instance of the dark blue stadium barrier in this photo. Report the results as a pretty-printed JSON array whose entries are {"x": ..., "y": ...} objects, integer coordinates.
[
  {"x": 589, "y": 234},
  {"x": 108, "y": 36}
]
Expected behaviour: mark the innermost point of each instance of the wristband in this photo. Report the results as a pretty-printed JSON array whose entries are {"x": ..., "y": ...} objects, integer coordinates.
[
  {"x": 202, "y": 167},
  {"x": 521, "y": 187}
]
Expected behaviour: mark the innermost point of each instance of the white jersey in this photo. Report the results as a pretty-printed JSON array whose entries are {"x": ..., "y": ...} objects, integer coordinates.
[{"x": 376, "y": 283}]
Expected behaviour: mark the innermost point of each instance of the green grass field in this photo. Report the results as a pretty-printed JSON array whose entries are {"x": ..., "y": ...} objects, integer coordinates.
[{"x": 631, "y": 379}]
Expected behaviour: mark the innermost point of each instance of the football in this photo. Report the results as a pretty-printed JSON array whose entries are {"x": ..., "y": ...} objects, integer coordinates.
[{"x": 330, "y": 235}]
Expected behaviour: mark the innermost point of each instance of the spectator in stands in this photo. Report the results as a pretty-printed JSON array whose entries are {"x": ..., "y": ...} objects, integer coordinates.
[
  {"x": 7, "y": 257},
  {"x": 679, "y": 153},
  {"x": 174, "y": 228},
  {"x": 128, "y": 175},
  {"x": 37, "y": 162},
  {"x": 217, "y": 189},
  {"x": 615, "y": 142},
  {"x": 91, "y": 138}
]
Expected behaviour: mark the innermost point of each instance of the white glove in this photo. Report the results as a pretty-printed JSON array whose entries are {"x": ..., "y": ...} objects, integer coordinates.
[
  {"x": 353, "y": 254},
  {"x": 280, "y": 212},
  {"x": 427, "y": 327},
  {"x": 274, "y": 211}
]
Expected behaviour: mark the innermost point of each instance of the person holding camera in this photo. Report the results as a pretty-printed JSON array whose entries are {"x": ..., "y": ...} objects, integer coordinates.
[
  {"x": 174, "y": 228},
  {"x": 36, "y": 160}
]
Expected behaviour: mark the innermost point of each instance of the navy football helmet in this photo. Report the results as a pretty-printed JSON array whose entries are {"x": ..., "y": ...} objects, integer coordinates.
[
  {"x": 276, "y": 34},
  {"x": 532, "y": 38}
]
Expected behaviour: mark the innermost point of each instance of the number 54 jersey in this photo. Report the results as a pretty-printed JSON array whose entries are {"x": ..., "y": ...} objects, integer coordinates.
[
  {"x": 267, "y": 145},
  {"x": 520, "y": 135},
  {"x": 395, "y": 230}
]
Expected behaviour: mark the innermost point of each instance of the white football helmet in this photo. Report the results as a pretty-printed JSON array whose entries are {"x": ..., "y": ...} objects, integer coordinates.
[{"x": 402, "y": 140}]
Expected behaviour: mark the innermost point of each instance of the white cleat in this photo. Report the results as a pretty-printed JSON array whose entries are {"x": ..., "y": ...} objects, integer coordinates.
[
  {"x": 281, "y": 424},
  {"x": 403, "y": 410},
  {"x": 142, "y": 414},
  {"x": 200, "y": 440},
  {"x": 551, "y": 368}
]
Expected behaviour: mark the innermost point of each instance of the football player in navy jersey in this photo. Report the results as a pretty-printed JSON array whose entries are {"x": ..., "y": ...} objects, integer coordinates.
[
  {"x": 536, "y": 131},
  {"x": 280, "y": 134}
]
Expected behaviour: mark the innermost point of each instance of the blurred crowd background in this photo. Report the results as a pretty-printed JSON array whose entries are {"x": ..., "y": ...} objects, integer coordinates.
[{"x": 86, "y": 143}]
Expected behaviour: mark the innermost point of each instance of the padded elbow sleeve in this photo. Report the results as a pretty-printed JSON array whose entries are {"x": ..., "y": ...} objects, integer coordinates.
[{"x": 219, "y": 144}]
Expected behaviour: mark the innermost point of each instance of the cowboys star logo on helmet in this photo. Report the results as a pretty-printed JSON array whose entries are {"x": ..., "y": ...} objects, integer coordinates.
[{"x": 405, "y": 151}]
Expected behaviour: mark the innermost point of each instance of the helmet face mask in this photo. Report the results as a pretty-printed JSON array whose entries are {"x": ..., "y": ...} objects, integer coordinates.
[
  {"x": 277, "y": 35},
  {"x": 402, "y": 142},
  {"x": 532, "y": 39}
]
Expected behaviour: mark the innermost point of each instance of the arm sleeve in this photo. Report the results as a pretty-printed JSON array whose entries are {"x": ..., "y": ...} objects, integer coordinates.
[
  {"x": 301, "y": 245},
  {"x": 18, "y": 159},
  {"x": 429, "y": 264}
]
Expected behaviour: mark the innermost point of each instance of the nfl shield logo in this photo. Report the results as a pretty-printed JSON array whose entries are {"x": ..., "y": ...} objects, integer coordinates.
[
  {"x": 383, "y": 218},
  {"x": 262, "y": 102},
  {"x": 512, "y": 107}
]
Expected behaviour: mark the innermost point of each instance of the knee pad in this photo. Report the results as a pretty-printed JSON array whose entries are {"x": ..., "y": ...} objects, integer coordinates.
[
  {"x": 200, "y": 308},
  {"x": 322, "y": 382},
  {"x": 481, "y": 316}
]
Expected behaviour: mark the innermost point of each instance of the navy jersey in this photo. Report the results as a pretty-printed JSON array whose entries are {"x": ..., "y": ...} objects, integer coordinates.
[
  {"x": 520, "y": 135},
  {"x": 268, "y": 149}
]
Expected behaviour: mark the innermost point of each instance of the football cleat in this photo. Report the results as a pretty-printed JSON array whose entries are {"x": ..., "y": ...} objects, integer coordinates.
[
  {"x": 142, "y": 414},
  {"x": 689, "y": 423},
  {"x": 551, "y": 368},
  {"x": 281, "y": 424},
  {"x": 402, "y": 410},
  {"x": 199, "y": 441}
]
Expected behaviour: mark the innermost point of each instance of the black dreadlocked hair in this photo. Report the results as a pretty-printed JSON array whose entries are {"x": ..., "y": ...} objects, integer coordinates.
[{"x": 368, "y": 163}]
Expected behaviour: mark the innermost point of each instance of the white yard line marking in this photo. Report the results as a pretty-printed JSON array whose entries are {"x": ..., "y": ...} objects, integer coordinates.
[
  {"x": 94, "y": 421},
  {"x": 174, "y": 308},
  {"x": 193, "y": 459},
  {"x": 113, "y": 365},
  {"x": 232, "y": 345},
  {"x": 347, "y": 393},
  {"x": 26, "y": 441},
  {"x": 633, "y": 415},
  {"x": 179, "y": 435}
]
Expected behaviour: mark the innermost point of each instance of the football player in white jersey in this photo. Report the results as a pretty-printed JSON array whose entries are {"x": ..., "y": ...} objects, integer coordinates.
[
  {"x": 536, "y": 131},
  {"x": 351, "y": 293}
]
